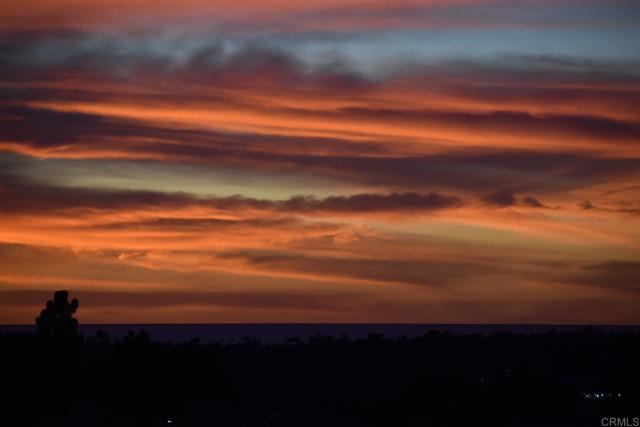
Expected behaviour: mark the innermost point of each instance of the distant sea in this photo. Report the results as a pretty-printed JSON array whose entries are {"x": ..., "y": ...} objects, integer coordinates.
[{"x": 279, "y": 332}]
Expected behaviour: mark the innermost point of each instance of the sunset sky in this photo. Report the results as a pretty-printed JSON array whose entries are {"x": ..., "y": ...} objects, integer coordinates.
[{"x": 460, "y": 161}]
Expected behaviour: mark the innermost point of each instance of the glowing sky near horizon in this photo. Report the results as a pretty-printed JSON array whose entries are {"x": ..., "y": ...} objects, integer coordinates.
[{"x": 321, "y": 161}]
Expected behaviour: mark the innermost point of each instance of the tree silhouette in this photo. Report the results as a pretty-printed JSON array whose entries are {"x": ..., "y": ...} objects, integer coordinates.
[{"x": 56, "y": 319}]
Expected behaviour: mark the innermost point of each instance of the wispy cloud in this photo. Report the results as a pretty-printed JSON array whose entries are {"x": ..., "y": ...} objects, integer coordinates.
[{"x": 322, "y": 160}]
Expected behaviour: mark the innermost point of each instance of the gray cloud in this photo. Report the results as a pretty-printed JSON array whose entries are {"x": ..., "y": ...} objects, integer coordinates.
[
  {"x": 500, "y": 198},
  {"x": 19, "y": 196},
  {"x": 612, "y": 275},
  {"x": 533, "y": 202},
  {"x": 416, "y": 272}
]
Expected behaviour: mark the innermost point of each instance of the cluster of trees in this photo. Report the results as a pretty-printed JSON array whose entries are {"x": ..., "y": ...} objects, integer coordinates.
[
  {"x": 505, "y": 379},
  {"x": 56, "y": 319}
]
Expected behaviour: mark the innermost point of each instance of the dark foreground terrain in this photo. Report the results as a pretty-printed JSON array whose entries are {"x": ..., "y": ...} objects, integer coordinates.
[{"x": 439, "y": 379}]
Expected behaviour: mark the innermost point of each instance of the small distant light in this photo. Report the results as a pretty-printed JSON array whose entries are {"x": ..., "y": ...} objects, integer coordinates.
[{"x": 169, "y": 421}]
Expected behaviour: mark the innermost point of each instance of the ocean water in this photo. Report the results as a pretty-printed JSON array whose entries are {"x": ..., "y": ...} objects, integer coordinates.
[{"x": 273, "y": 333}]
